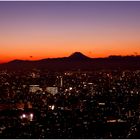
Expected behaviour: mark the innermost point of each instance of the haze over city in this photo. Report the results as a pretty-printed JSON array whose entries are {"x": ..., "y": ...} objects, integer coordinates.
[{"x": 37, "y": 30}]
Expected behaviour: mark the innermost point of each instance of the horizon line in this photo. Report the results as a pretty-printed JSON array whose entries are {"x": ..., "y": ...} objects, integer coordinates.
[{"x": 131, "y": 55}]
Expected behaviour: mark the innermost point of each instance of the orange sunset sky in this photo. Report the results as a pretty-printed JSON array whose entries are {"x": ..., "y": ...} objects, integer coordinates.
[{"x": 57, "y": 29}]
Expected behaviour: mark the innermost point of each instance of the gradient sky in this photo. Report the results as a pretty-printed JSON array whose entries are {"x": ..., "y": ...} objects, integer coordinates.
[{"x": 57, "y": 29}]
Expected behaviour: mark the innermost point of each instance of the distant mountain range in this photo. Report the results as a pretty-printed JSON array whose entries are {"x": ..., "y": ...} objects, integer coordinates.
[{"x": 74, "y": 62}]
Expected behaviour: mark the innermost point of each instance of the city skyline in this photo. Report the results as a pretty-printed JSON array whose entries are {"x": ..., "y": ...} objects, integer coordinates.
[{"x": 37, "y": 30}]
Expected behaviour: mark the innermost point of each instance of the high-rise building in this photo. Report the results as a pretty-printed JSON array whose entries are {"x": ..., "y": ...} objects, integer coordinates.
[
  {"x": 61, "y": 81},
  {"x": 52, "y": 90},
  {"x": 34, "y": 88}
]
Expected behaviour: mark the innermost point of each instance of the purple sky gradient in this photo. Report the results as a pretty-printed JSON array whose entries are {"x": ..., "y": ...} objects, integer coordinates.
[{"x": 46, "y": 29}]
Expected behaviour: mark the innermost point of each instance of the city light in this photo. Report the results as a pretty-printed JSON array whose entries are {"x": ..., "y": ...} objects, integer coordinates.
[
  {"x": 31, "y": 117},
  {"x": 52, "y": 107},
  {"x": 84, "y": 103},
  {"x": 24, "y": 116}
]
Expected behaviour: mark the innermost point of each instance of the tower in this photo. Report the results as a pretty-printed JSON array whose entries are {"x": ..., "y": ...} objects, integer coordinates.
[{"x": 61, "y": 81}]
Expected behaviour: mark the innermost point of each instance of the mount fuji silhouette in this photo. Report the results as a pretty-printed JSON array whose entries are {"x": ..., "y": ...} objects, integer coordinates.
[
  {"x": 78, "y": 56},
  {"x": 75, "y": 61}
]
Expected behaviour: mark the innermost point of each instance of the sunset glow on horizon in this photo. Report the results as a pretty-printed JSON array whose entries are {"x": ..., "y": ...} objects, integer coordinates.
[{"x": 37, "y": 30}]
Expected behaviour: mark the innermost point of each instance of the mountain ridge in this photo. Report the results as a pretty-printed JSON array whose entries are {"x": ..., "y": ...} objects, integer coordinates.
[{"x": 76, "y": 61}]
